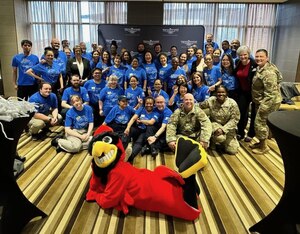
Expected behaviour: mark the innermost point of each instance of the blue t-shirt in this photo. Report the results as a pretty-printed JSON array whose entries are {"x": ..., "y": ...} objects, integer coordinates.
[
  {"x": 201, "y": 93},
  {"x": 139, "y": 73},
  {"x": 151, "y": 73},
  {"x": 144, "y": 115},
  {"x": 163, "y": 72},
  {"x": 103, "y": 66},
  {"x": 120, "y": 116},
  {"x": 61, "y": 59},
  {"x": 177, "y": 101},
  {"x": 49, "y": 73},
  {"x": 109, "y": 97},
  {"x": 161, "y": 93},
  {"x": 133, "y": 95},
  {"x": 164, "y": 115},
  {"x": 23, "y": 63},
  {"x": 76, "y": 119},
  {"x": 212, "y": 75},
  {"x": 229, "y": 81},
  {"x": 93, "y": 90},
  {"x": 119, "y": 72},
  {"x": 44, "y": 105},
  {"x": 172, "y": 77},
  {"x": 87, "y": 55},
  {"x": 69, "y": 92}
]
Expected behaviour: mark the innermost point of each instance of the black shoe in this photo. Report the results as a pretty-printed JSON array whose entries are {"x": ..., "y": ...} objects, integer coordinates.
[
  {"x": 154, "y": 152},
  {"x": 58, "y": 149},
  {"x": 54, "y": 141},
  {"x": 35, "y": 137},
  {"x": 22, "y": 159},
  {"x": 145, "y": 150}
]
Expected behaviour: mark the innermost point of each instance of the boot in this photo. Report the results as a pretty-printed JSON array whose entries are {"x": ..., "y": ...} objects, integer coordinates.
[
  {"x": 262, "y": 149},
  {"x": 254, "y": 145},
  {"x": 154, "y": 151}
]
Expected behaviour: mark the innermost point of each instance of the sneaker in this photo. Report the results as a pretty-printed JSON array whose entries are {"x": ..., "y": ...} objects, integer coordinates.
[
  {"x": 154, "y": 152},
  {"x": 145, "y": 150}
]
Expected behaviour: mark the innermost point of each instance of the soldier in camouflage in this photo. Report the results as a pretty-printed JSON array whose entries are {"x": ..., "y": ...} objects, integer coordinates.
[
  {"x": 190, "y": 121},
  {"x": 224, "y": 117},
  {"x": 266, "y": 96}
]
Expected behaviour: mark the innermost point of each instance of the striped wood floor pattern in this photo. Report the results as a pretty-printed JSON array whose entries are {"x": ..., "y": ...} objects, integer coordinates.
[{"x": 236, "y": 192}]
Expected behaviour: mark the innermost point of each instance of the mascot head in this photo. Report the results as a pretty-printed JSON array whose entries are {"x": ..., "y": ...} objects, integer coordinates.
[{"x": 106, "y": 148}]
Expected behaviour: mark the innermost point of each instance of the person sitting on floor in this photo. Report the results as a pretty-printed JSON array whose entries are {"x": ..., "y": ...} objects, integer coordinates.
[
  {"x": 75, "y": 89},
  {"x": 157, "y": 141},
  {"x": 119, "y": 117},
  {"x": 145, "y": 119},
  {"x": 47, "y": 110},
  {"x": 224, "y": 116},
  {"x": 79, "y": 125}
]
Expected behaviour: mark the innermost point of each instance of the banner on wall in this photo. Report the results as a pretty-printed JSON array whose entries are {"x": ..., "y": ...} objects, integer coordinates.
[{"x": 128, "y": 36}]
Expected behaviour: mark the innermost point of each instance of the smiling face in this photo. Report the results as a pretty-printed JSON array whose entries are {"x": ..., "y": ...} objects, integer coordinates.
[
  {"x": 188, "y": 102},
  {"x": 182, "y": 58},
  {"x": 226, "y": 62},
  {"x": 148, "y": 57},
  {"x": 197, "y": 79},
  {"x": 221, "y": 94},
  {"x": 244, "y": 56},
  {"x": 199, "y": 54},
  {"x": 49, "y": 56},
  {"x": 208, "y": 60},
  {"x": 149, "y": 105},
  {"x": 77, "y": 102},
  {"x": 157, "y": 85},
  {"x": 45, "y": 90},
  {"x": 135, "y": 63},
  {"x": 97, "y": 73},
  {"x": 160, "y": 103},
  {"x": 163, "y": 60},
  {"x": 261, "y": 58}
]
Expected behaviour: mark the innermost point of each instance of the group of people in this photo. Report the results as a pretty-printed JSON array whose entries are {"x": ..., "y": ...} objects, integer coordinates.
[{"x": 150, "y": 97}]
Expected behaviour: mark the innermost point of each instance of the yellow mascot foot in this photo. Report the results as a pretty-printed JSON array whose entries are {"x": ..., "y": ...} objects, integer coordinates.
[{"x": 190, "y": 156}]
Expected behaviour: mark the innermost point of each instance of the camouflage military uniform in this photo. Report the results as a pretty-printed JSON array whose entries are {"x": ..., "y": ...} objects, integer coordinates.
[
  {"x": 194, "y": 124},
  {"x": 225, "y": 116},
  {"x": 266, "y": 96}
]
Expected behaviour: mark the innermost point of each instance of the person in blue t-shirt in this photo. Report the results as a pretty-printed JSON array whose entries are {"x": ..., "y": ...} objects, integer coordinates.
[
  {"x": 75, "y": 89},
  {"x": 200, "y": 91},
  {"x": 24, "y": 84},
  {"x": 150, "y": 69},
  {"x": 144, "y": 120},
  {"x": 158, "y": 91},
  {"x": 104, "y": 64},
  {"x": 118, "y": 70},
  {"x": 94, "y": 87},
  {"x": 134, "y": 93},
  {"x": 176, "y": 99},
  {"x": 118, "y": 118},
  {"x": 48, "y": 71},
  {"x": 228, "y": 78},
  {"x": 164, "y": 67},
  {"x": 156, "y": 140},
  {"x": 46, "y": 110},
  {"x": 172, "y": 76},
  {"x": 109, "y": 95},
  {"x": 138, "y": 72},
  {"x": 212, "y": 74},
  {"x": 78, "y": 127}
]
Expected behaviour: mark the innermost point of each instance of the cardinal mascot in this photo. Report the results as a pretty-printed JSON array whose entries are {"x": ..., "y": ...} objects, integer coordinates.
[{"x": 117, "y": 184}]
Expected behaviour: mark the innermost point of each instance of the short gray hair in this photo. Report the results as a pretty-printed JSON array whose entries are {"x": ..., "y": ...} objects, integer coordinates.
[{"x": 242, "y": 49}]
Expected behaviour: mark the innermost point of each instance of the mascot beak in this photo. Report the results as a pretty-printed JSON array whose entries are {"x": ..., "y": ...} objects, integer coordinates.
[{"x": 104, "y": 153}]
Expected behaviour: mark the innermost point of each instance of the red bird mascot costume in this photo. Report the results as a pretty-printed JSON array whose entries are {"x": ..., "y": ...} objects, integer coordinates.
[{"x": 118, "y": 184}]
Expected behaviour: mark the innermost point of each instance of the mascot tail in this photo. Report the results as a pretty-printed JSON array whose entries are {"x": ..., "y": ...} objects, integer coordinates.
[{"x": 190, "y": 157}]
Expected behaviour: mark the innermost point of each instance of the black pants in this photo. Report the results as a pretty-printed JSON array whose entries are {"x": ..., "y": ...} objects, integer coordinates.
[
  {"x": 25, "y": 91},
  {"x": 119, "y": 129},
  {"x": 244, "y": 100}
]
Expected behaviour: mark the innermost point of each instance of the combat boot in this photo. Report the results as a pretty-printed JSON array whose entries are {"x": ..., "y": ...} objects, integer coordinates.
[
  {"x": 262, "y": 149},
  {"x": 254, "y": 145}
]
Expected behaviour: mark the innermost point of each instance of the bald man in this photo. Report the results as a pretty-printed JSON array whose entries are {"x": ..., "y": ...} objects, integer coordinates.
[{"x": 190, "y": 121}]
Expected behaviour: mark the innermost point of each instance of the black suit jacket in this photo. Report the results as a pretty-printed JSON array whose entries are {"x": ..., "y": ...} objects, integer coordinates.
[{"x": 72, "y": 68}]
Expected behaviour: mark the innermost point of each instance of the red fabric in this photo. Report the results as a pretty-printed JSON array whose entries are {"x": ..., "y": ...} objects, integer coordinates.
[
  {"x": 242, "y": 75},
  {"x": 159, "y": 190}
]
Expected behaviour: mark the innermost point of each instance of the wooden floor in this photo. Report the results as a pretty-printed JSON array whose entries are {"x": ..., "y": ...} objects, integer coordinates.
[{"x": 236, "y": 192}]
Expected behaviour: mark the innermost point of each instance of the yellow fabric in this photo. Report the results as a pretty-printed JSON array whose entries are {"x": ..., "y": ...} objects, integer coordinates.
[
  {"x": 198, "y": 165},
  {"x": 102, "y": 149}
]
